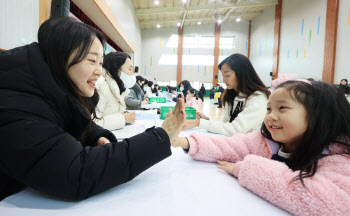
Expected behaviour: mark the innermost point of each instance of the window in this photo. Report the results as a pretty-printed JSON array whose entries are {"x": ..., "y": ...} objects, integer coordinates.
[
  {"x": 196, "y": 85},
  {"x": 226, "y": 42},
  {"x": 207, "y": 85},
  {"x": 189, "y": 42},
  {"x": 206, "y": 42},
  {"x": 223, "y": 85},
  {"x": 173, "y": 83},
  {"x": 173, "y": 41}
]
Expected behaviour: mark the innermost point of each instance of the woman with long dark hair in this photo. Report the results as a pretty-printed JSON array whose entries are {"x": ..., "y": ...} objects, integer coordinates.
[
  {"x": 48, "y": 139},
  {"x": 112, "y": 91},
  {"x": 245, "y": 99}
]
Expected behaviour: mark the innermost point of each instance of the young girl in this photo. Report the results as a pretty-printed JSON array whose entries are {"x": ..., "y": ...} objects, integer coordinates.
[
  {"x": 244, "y": 99},
  {"x": 48, "y": 139},
  {"x": 300, "y": 160},
  {"x": 192, "y": 100}
]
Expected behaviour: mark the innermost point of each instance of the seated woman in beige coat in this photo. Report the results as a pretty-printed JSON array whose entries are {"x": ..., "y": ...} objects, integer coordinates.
[{"x": 112, "y": 87}]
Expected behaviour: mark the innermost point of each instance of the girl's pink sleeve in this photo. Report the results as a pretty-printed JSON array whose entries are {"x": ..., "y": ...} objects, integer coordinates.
[
  {"x": 326, "y": 193},
  {"x": 235, "y": 148}
]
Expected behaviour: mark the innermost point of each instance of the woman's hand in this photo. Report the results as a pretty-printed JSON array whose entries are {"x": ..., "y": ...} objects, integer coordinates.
[
  {"x": 144, "y": 101},
  {"x": 102, "y": 141},
  {"x": 227, "y": 166},
  {"x": 129, "y": 117},
  {"x": 201, "y": 115},
  {"x": 175, "y": 119},
  {"x": 180, "y": 142}
]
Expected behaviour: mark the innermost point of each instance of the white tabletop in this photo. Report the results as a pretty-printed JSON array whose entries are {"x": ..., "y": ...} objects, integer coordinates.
[
  {"x": 157, "y": 105},
  {"x": 177, "y": 186}
]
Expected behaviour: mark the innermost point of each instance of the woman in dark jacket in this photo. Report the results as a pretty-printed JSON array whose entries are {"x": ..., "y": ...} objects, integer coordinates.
[
  {"x": 184, "y": 87},
  {"x": 48, "y": 139}
]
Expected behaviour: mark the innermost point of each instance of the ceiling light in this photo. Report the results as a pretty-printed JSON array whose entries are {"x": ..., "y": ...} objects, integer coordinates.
[
  {"x": 199, "y": 22},
  {"x": 156, "y": 2},
  {"x": 178, "y": 24},
  {"x": 238, "y": 19},
  {"x": 184, "y": 1},
  {"x": 219, "y": 21},
  {"x": 158, "y": 26}
]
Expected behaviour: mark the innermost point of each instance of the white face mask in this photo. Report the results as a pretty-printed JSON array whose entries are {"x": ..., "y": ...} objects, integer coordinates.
[
  {"x": 181, "y": 88},
  {"x": 129, "y": 81},
  {"x": 145, "y": 88}
]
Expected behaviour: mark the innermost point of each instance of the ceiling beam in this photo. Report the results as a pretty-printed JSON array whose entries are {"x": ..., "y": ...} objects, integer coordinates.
[
  {"x": 152, "y": 11},
  {"x": 202, "y": 18}
]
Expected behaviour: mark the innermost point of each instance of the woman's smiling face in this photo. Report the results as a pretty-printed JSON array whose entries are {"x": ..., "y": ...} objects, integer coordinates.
[{"x": 85, "y": 73}]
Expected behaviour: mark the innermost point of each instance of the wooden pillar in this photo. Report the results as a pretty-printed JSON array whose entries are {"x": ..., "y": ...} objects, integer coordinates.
[
  {"x": 179, "y": 54},
  {"x": 330, "y": 43},
  {"x": 44, "y": 10},
  {"x": 216, "y": 55},
  {"x": 276, "y": 46},
  {"x": 250, "y": 32}
]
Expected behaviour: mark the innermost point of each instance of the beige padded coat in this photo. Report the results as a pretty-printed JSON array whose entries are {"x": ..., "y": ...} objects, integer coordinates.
[{"x": 111, "y": 104}]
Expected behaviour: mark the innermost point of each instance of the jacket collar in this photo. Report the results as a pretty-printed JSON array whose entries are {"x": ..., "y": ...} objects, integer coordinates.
[{"x": 75, "y": 119}]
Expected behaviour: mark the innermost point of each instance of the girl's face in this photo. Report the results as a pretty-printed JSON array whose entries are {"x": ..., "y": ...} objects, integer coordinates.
[
  {"x": 285, "y": 119},
  {"x": 343, "y": 82},
  {"x": 127, "y": 68},
  {"x": 229, "y": 76},
  {"x": 189, "y": 95},
  {"x": 85, "y": 73}
]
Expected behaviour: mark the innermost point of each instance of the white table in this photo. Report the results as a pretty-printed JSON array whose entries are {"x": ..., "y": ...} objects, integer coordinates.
[
  {"x": 157, "y": 105},
  {"x": 176, "y": 186}
]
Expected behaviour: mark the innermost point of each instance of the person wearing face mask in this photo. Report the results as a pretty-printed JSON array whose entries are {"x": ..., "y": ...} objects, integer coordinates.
[
  {"x": 136, "y": 96},
  {"x": 112, "y": 88},
  {"x": 184, "y": 87}
]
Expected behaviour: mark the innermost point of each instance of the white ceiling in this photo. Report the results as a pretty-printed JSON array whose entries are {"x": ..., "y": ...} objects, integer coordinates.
[{"x": 170, "y": 12}]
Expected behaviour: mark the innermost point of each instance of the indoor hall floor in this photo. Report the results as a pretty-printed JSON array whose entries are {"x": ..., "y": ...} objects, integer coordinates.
[{"x": 211, "y": 110}]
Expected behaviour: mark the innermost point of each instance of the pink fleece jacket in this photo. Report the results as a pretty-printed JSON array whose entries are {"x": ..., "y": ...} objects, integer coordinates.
[
  {"x": 327, "y": 193},
  {"x": 192, "y": 102}
]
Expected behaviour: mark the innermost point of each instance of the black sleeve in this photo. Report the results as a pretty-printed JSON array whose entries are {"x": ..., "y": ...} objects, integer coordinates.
[
  {"x": 41, "y": 155},
  {"x": 95, "y": 133}
]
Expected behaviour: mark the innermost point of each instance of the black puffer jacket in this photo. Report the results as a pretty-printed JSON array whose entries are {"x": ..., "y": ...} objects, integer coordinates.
[{"x": 40, "y": 126}]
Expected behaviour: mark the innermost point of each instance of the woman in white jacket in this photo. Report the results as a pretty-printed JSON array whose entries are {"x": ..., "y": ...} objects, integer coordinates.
[
  {"x": 112, "y": 87},
  {"x": 245, "y": 99}
]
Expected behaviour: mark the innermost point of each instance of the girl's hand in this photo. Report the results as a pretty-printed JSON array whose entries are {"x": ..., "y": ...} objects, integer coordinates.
[
  {"x": 175, "y": 119},
  {"x": 144, "y": 102},
  {"x": 191, "y": 124},
  {"x": 102, "y": 141},
  {"x": 180, "y": 142},
  {"x": 201, "y": 115},
  {"x": 129, "y": 117},
  {"x": 227, "y": 166}
]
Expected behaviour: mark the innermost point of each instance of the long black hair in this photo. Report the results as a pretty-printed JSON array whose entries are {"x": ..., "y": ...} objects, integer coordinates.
[
  {"x": 185, "y": 83},
  {"x": 112, "y": 62},
  {"x": 139, "y": 78},
  {"x": 248, "y": 80},
  {"x": 328, "y": 119},
  {"x": 59, "y": 38}
]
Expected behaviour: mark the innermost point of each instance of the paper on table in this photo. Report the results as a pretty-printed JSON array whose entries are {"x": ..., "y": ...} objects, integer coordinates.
[{"x": 129, "y": 131}]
